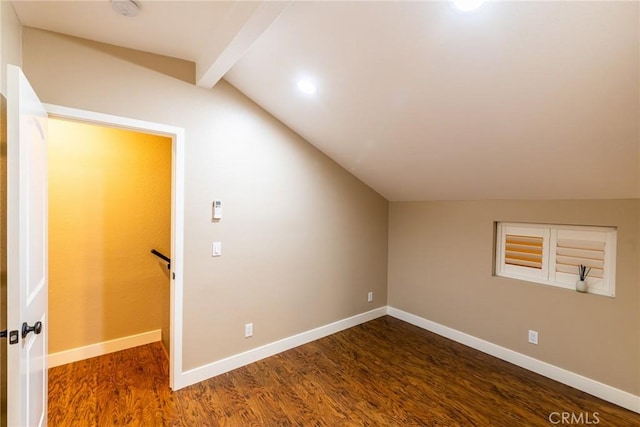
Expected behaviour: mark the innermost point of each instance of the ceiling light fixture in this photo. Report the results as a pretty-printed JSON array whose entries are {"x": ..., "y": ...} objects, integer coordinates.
[
  {"x": 125, "y": 7},
  {"x": 307, "y": 86},
  {"x": 467, "y": 5}
]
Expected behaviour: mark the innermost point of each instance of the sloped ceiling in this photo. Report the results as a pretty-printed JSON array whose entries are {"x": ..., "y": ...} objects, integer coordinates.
[{"x": 518, "y": 100}]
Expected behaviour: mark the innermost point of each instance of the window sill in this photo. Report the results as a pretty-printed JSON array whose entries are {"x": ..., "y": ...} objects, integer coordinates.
[{"x": 593, "y": 291}]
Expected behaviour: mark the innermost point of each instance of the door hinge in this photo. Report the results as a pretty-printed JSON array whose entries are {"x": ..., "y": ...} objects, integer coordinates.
[{"x": 13, "y": 336}]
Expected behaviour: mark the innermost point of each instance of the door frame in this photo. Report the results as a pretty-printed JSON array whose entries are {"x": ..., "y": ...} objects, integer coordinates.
[{"x": 177, "y": 135}]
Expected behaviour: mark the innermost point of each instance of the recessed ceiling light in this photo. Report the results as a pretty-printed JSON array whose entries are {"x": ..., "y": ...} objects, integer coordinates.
[
  {"x": 125, "y": 7},
  {"x": 467, "y": 5},
  {"x": 307, "y": 86}
]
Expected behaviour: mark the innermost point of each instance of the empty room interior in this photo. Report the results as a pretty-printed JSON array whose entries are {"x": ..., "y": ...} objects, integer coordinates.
[{"x": 330, "y": 213}]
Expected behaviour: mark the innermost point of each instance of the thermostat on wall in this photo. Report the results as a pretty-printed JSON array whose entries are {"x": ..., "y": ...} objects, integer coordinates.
[{"x": 217, "y": 209}]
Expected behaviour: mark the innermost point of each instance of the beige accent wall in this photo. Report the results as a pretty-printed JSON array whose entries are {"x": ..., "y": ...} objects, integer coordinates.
[
  {"x": 10, "y": 41},
  {"x": 441, "y": 268},
  {"x": 109, "y": 205},
  {"x": 303, "y": 240}
]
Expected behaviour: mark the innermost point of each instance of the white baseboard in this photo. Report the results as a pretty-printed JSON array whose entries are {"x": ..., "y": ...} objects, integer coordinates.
[
  {"x": 595, "y": 388},
  {"x": 105, "y": 347},
  {"x": 233, "y": 362}
]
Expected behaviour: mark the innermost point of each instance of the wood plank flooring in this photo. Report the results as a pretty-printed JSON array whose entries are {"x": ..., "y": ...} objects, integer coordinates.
[{"x": 382, "y": 373}]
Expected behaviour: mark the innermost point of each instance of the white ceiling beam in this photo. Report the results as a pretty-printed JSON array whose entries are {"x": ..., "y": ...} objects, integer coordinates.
[{"x": 230, "y": 42}]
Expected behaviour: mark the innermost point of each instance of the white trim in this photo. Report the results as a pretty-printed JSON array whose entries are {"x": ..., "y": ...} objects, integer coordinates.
[
  {"x": 111, "y": 120},
  {"x": 595, "y": 388},
  {"x": 101, "y": 348},
  {"x": 177, "y": 134},
  {"x": 236, "y": 361},
  {"x": 176, "y": 376}
]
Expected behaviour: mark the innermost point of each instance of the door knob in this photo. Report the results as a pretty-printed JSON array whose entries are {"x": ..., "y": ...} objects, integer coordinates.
[{"x": 36, "y": 329}]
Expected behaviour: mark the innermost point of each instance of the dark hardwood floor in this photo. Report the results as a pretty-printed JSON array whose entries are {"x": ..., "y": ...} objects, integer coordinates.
[{"x": 382, "y": 373}]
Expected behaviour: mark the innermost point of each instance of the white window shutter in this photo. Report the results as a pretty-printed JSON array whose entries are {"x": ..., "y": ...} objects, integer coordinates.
[
  {"x": 551, "y": 254},
  {"x": 594, "y": 249},
  {"x": 523, "y": 251}
]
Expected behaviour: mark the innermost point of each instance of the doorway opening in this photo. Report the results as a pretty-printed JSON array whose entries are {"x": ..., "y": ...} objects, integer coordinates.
[
  {"x": 109, "y": 206},
  {"x": 116, "y": 194}
]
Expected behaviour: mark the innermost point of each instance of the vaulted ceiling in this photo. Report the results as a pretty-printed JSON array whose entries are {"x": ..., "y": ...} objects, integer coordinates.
[{"x": 516, "y": 100}]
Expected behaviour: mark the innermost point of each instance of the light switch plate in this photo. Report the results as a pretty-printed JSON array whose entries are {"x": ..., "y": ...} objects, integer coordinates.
[{"x": 216, "y": 249}]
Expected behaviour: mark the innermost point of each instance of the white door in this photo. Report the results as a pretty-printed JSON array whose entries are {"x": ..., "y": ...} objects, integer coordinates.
[{"x": 27, "y": 285}]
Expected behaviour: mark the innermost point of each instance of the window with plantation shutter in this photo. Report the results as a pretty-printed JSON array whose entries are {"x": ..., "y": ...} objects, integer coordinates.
[
  {"x": 552, "y": 254},
  {"x": 523, "y": 251}
]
